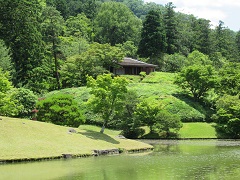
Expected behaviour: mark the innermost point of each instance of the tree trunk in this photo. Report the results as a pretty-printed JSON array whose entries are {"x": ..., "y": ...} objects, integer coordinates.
[{"x": 102, "y": 130}]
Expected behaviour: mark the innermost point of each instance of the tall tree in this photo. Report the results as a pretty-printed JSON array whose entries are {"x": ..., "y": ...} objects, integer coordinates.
[
  {"x": 153, "y": 38},
  {"x": 21, "y": 32},
  {"x": 171, "y": 28},
  {"x": 226, "y": 42},
  {"x": 116, "y": 24},
  {"x": 202, "y": 36},
  {"x": 52, "y": 27}
]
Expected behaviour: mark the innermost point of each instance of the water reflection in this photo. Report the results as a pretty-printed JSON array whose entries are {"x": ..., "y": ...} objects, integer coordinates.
[{"x": 200, "y": 159}]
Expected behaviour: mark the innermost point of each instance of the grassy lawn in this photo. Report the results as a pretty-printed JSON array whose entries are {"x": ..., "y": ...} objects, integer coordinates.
[
  {"x": 197, "y": 130},
  {"x": 32, "y": 139}
]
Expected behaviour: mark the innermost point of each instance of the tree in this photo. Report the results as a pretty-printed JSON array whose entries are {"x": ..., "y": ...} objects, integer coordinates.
[
  {"x": 60, "y": 109},
  {"x": 20, "y": 30},
  {"x": 108, "y": 96},
  {"x": 116, "y": 24},
  {"x": 26, "y": 99},
  {"x": 171, "y": 29},
  {"x": 5, "y": 58},
  {"x": 229, "y": 79},
  {"x": 79, "y": 26},
  {"x": 173, "y": 62},
  {"x": 228, "y": 117},
  {"x": 52, "y": 27},
  {"x": 8, "y": 106},
  {"x": 225, "y": 42},
  {"x": 153, "y": 42},
  {"x": 198, "y": 58},
  {"x": 202, "y": 36},
  {"x": 167, "y": 124},
  {"x": 126, "y": 120},
  {"x": 146, "y": 113},
  {"x": 197, "y": 80},
  {"x": 98, "y": 59}
]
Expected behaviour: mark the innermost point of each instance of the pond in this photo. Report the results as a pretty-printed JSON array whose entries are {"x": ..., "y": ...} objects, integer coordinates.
[{"x": 171, "y": 159}]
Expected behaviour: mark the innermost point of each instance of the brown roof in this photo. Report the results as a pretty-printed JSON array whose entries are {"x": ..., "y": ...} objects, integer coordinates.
[{"x": 133, "y": 62}]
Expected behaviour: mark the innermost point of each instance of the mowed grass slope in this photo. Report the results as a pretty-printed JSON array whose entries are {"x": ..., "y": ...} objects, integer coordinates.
[
  {"x": 198, "y": 130},
  {"x": 22, "y": 138}
]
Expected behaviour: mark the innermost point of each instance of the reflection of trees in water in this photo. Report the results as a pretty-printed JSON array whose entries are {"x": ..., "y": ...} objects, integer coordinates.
[{"x": 167, "y": 147}]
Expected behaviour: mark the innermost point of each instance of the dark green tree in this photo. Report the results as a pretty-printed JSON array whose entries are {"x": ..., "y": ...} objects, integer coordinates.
[
  {"x": 52, "y": 28},
  {"x": 153, "y": 37},
  {"x": 202, "y": 36},
  {"x": 5, "y": 58},
  {"x": 171, "y": 29},
  {"x": 225, "y": 42},
  {"x": 60, "y": 109},
  {"x": 20, "y": 29},
  {"x": 238, "y": 42}
]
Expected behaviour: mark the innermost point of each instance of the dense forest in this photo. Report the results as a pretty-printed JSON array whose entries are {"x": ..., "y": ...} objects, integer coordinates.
[{"x": 48, "y": 45}]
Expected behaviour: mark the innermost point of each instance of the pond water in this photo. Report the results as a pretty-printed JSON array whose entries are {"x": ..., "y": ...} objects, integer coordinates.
[{"x": 184, "y": 159}]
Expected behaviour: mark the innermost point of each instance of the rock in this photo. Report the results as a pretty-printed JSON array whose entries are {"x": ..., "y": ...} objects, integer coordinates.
[
  {"x": 71, "y": 130},
  {"x": 67, "y": 156},
  {"x": 105, "y": 152},
  {"x": 120, "y": 137}
]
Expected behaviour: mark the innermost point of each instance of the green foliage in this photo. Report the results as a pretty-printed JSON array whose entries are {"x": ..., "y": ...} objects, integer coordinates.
[
  {"x": 198, "y": 58},
  {"x": 125, "y": 120},
  {"x": 228, "y": 117},
  {"x": 153, "y": 38},
  {"x": 60, "y": 109},
  {"x": 26, "y": 99},
  {"x": 229, "y": 79},
  {"x": 8, "y": 106},
  {"x": 197, "y": 80},
  {"x": 21, "y": 32},
  {"x": 129, "y": 49},
  {"x": 5, "y": 58},
  {"x": 116, "y": 24},
  {"x": 79, "y": 26},
  {"x": 95, "y": 61},
  {"x": 109, "y": 95},
  {"x": 52, "y": 27},
  {"x": 146, "y": 113},
  {"x": 167, "y": 124},
  {"x": 170, "y": 23},
  {"x": 173, "y": 63}
]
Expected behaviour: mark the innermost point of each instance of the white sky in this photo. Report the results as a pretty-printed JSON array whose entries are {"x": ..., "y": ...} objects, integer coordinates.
[{"x": 227, "y": 11}]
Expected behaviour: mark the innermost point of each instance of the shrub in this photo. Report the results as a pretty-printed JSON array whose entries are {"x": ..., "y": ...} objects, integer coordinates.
[
  {"x": 26, "y": 99},
  {"x": 60, "y": 109}
]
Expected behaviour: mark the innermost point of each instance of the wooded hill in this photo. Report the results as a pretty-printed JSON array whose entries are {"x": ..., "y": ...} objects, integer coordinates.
[{"x": 50, "y": 45}]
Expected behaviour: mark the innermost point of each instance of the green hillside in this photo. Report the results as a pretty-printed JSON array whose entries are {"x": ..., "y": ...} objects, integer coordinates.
[
  {"x": 26, "y": 139},
  {"x": 158, "y": 87}
]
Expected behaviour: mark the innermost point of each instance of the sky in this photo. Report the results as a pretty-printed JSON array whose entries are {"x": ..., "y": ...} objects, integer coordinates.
[{"x": 227, "y": 11}]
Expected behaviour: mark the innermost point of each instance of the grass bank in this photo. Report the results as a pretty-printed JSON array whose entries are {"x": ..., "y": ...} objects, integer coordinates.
[
  {"x": 198, "y": 130},
  {"x": 25, "y": 139}
]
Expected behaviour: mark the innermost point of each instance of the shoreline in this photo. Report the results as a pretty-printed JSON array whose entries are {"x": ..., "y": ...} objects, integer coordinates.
[{"x": 74, "y": 156}]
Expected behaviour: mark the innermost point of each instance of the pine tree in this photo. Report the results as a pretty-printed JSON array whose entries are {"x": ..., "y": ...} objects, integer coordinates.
[
  {"x": 171, "y": 28},
  {"x": 153, "y": 38}
]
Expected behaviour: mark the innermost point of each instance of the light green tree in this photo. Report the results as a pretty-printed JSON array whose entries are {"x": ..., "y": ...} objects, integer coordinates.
[
  {"x": 108, "y": 96},
  {"x": 197, "y": 80},
  {"x": 228, "y": 117}
]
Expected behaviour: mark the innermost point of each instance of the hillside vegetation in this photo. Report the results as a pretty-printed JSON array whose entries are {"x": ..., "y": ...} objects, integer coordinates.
[
  {"x": 25, "y": 139},
  {"x": 158, "y": 87}
]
